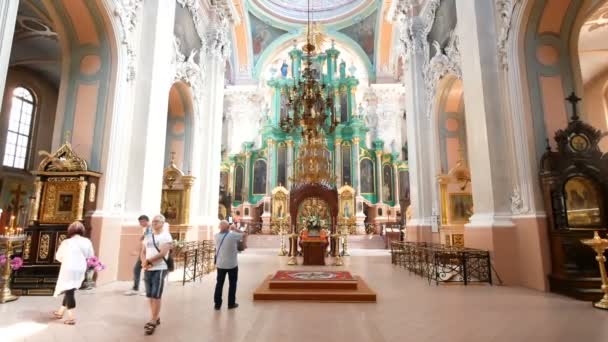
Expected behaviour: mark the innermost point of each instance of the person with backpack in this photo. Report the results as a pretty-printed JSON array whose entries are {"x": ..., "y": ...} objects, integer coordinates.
[
  {"x": 156, "y": 262},
  {"x": 226, "y": 252}
]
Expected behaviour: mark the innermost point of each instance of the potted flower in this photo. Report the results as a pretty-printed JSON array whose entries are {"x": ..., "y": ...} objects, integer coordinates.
[
  {"x": 93, "y": 265},
  {"x": 15, "y": 263}
]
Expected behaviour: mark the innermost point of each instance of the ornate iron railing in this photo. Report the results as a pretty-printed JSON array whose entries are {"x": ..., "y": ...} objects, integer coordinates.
[
  {"x": 195, "y": 258},
  {"x": 442, "y": 263}
]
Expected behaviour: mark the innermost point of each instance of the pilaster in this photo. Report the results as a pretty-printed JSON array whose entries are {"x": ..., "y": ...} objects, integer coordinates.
[
  {"x": 338, "y": 159},
  {"x": 491, "y": 226},
  {"x": 150, "y": 108},
  {"x": 8, "y": 18}
]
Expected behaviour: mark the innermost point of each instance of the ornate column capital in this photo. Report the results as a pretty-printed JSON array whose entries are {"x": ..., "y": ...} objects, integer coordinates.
[
  {"x": 289, "y": 143},
  {"x": 356, "y": 140},
  {"x": 270, "y": 142},
  {"x": 186, "y": 69},
  {"x": 217, "y": 43},
  {"x": 338, "y": 141}
]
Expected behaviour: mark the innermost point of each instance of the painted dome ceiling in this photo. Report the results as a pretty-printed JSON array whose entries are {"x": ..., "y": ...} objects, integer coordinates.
[{"x": 322, "y": 10}]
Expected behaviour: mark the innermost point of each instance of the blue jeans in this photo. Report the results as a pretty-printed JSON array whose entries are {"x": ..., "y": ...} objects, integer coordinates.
[
  {"x": 136, "y": 274},
  {"x": 219, "y": 286}
]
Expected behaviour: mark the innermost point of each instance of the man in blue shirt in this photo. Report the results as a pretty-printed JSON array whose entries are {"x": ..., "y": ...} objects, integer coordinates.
[
  {"x": 226, "y": 252},
  {"x": 144, "y": 223}
]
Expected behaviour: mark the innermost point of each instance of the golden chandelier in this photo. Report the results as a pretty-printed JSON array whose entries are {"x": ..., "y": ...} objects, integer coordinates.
[
  {"x": 313, "y": 164},
  {"x": 309, "y": 100}
]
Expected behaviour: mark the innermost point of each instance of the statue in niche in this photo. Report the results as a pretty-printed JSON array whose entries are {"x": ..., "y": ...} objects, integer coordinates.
[
  {"x": 347, "y": 212},
  {"x": 284, "y": 68}
]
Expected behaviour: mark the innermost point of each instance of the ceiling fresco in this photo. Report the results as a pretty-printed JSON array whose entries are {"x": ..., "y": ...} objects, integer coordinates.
[
  {"x": 262, "y": 35},
  {"x": 321, "y": 10},
  {"x": 362, "y": 32}
]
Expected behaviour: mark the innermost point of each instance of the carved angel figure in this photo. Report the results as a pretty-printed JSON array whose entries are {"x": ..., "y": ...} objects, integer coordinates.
[{"x": 59, "y": 163}]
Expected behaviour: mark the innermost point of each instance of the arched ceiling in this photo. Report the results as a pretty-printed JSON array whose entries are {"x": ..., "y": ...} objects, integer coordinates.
[
  {"x": 35, "y": 43},
  {"x": 593, "y": 44},
  {"x": 359, "y": 27}
]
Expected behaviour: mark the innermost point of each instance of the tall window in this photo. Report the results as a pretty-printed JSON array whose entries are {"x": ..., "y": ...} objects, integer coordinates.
[{"x": 19, "y": 129}]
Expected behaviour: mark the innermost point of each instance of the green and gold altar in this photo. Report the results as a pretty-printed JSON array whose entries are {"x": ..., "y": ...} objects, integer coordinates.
[{"x": 255, "y": 171}]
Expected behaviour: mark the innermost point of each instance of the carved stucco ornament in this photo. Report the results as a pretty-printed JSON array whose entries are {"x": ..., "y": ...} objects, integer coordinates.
[
  {"x": 441, "y": 65},
  {"x": 127, "y": 13},
  {"x": 505, "y": 9}
]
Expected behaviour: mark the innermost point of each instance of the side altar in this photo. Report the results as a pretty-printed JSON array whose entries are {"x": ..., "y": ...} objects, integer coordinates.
[{"x": 65, "y": 191}]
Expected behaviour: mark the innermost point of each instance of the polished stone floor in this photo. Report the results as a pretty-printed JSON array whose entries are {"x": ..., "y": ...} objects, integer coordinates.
[{"x": 408, "y": 309}]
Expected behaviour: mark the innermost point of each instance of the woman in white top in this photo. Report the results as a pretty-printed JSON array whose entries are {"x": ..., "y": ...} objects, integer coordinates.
[{"x": 72, "y": 254}]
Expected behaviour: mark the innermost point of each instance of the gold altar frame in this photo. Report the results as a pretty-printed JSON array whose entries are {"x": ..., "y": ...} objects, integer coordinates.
[
  {"x": 346, "y": 202},
  {"x": 280, "y": 203},
  {"x": 59, "y": 194}
]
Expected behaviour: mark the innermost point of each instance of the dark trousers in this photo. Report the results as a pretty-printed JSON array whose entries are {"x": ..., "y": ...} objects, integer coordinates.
[
  {"x": 69, "y": 301},
  {"x": 219, "y": 286},
  {"x": 136, "y": 274}
]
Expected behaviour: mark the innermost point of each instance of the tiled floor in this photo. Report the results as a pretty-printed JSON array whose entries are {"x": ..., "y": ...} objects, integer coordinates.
[{"x": 408, "y": 309}]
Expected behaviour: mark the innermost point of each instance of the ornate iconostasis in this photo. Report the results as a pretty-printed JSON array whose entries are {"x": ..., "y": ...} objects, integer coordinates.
[{"x": 257, "y": 168}]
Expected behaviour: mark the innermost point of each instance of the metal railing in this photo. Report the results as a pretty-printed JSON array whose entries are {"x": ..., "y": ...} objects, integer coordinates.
[
  {"x": 195, "y": 258},
  {"x": 442, "y": 263}
]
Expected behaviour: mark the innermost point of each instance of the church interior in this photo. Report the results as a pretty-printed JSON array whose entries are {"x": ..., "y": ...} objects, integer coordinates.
[{"x": 418, "y": 170}]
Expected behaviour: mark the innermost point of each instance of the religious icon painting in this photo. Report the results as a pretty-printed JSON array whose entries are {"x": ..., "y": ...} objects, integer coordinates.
[
  {"x": 583, "y": 203},
  {"x": 461, "y": 207}
]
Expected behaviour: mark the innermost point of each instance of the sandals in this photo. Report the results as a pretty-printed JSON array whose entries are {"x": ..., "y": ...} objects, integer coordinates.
[
  {"x": 69, "y": 321},
  {"x": 150, "y": 327},
  {"x": 56, "y": 315}
]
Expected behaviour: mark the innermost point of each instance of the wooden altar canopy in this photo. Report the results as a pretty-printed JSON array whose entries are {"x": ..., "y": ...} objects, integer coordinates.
[{"x": 325, "y": 193}]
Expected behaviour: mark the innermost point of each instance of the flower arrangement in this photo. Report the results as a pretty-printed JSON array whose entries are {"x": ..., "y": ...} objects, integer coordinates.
[
  {"x": 93, "y": 263},
  {"x": 313, "y": 222},
  {"x": 16, "y": 262}
]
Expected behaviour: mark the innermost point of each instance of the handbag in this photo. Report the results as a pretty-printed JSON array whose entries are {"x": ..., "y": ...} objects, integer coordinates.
[{"x": 169, "y": 260}]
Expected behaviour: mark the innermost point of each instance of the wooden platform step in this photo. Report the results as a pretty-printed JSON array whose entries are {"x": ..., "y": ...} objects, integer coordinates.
[
  {"x": 319, "y": 285},
  {"x": 361, "y": 294}
]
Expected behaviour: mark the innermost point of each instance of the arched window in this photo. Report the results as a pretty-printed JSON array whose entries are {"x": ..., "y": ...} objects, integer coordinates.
[{"x": 19, "y": 129}]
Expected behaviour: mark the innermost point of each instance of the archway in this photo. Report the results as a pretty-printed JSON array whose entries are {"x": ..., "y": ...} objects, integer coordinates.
[
  {"x": 454, "y": 178},
  {"x": 178, "y": 143},
  {"x": 593, "y": 58}
]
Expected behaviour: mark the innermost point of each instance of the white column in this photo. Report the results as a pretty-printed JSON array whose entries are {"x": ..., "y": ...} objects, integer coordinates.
[
  {"x": 269, "y": 166},
  {"x": 338, "y": 169},
  {"x": 247, "y": 176},
  {"x": 418, "y": 133},
  {"x": 289, "y": 163},
  {"x": 8, "y": 18},
  {"x": 356, "y": 171},
  {"x": 486, "y": 136},
  {"x": 215, "y": 60},
  {"x": 396, "y": 184},
  {"x": 380, "y": 198},
  {"x": 150, "y": 108}
]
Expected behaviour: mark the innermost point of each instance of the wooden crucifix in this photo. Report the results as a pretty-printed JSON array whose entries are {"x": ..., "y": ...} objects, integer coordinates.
[{"x": 15, "y": 205}]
